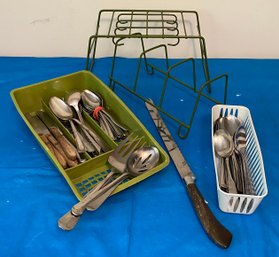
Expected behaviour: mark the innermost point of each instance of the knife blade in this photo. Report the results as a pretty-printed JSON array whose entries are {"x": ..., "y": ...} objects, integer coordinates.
[
  {"x": 67, "y": 147},
  {"x": 45, "y": 135},
  {"x": 214, "y": 229}
]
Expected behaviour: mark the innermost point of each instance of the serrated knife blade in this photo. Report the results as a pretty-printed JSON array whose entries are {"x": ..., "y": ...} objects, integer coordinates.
[{"x": 214, "y": 229}]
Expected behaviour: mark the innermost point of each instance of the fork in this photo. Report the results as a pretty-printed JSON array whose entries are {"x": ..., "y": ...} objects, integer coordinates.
[{"x": 117, "y": 160}]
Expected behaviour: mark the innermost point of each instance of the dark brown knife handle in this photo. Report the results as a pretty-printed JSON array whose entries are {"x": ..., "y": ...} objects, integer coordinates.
[
  {"x": 214, "y": 229},
  {"x": 69, "y": 150},
  {"x": 54, "y": 151}
]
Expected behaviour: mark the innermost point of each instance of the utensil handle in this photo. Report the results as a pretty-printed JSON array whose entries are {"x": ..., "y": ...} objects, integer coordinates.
[
  {"x": 54, "y": 151},
  {"x": 67, "y": 147},
  {"x": 231, "y": 185},
  {"x": 214, "y": 229},
  {"x": 58, "y": 147},
  {"x": 80, "y": 145},
  {"x": 104, "y": 147},
  {"x": 69, "y": 220}
]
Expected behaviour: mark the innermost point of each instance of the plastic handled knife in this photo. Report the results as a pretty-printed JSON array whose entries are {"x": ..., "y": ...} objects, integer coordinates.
[{"x": 214, "y": 229}]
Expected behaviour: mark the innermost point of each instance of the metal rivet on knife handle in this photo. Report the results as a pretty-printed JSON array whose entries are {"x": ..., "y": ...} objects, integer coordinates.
[{"x": 214, "y": 229}]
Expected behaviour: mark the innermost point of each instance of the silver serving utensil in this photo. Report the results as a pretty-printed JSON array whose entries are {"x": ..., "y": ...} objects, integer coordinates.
[
  {"x": 141, "y": 160},
  {"x": 118, "y": 160}
]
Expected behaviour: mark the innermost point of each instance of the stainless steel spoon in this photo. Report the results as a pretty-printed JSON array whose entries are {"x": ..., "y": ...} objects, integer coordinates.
[
  {"x": 224, "y": 147},
  {"x": 64, "y": 112},
  {"x": 231, "y": 124},
  {"x": 73, "y": 100}
]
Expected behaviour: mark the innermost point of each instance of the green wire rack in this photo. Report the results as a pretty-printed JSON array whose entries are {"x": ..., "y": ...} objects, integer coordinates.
[{"x": 169, "y": 28}]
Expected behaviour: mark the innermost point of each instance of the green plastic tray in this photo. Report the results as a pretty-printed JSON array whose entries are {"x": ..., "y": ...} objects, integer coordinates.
[{"x": 86, "y": 175}]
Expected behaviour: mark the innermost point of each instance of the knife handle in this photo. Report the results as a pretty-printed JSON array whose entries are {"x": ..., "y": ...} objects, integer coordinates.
[
  {"x": 58, "y": 147},
  {"x": 54, "y": 151},
  {"x": 68, "y": 149},
  {"x": 214, "y": 229}
]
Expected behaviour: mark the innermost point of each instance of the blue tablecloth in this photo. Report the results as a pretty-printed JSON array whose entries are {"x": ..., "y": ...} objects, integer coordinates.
[{"x": 154, "y": 217}]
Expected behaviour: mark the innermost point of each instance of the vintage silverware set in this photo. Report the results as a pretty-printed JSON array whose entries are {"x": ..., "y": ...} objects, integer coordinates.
[{"x": 229, "y": 141}]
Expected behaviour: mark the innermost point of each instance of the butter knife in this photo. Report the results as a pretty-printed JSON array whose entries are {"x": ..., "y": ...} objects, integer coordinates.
[{"x": 214, "y": 229}]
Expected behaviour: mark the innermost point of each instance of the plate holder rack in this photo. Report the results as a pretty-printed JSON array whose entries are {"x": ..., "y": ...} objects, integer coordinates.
[{"x": 161, "y": 25}]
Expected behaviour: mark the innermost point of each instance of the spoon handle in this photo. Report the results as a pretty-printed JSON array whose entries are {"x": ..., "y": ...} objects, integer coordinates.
[
  {"x": 231, "y": 185},
  {"x": 80, "y": 145},
  {"x": 99, "y": 141}
]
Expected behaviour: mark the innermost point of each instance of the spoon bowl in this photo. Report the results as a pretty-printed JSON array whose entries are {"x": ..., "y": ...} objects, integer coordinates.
[
  {"x": 223, "y": 143},
  {"x": 143, "y": 159},
  {"x": 231, "y": 124},
  {"x": 60, "y": 108},
  {"x": 73, "y": 100},
  {"x": 90, "y": 100}
]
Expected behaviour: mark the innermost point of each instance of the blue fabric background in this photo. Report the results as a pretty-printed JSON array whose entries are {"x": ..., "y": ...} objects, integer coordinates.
[{"x": 154, "y": 217}]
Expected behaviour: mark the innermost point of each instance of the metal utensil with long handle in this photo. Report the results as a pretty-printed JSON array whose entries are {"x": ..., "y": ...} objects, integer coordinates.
[{"x": 214, "y": 229}]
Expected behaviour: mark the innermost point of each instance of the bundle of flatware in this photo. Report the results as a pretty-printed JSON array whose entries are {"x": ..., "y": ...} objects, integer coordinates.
[
  {"x": 229, "y": 141},
  {"x": 94, "y": 105}
]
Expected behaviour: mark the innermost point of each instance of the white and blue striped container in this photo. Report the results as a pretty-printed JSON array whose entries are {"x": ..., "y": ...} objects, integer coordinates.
[{"x": 241, "y": 203}]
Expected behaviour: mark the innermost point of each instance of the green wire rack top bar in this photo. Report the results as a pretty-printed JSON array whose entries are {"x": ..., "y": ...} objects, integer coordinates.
[{"x": 169, "y": 27}]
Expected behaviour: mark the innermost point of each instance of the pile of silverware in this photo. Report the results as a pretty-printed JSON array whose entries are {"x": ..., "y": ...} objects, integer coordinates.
[
  {"x": 229, "y": 141},
  {"x": 94, "y": 105},
  {"x": 69, "y": 112},
  {"x": 130, "y": 158}
]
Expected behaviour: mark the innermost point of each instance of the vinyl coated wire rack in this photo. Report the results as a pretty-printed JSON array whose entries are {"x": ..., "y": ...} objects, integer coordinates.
[{"x": 169, "y": 27}]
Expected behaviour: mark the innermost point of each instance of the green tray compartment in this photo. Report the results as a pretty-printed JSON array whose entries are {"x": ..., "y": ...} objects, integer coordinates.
[{"x": 85, "y": 175}]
